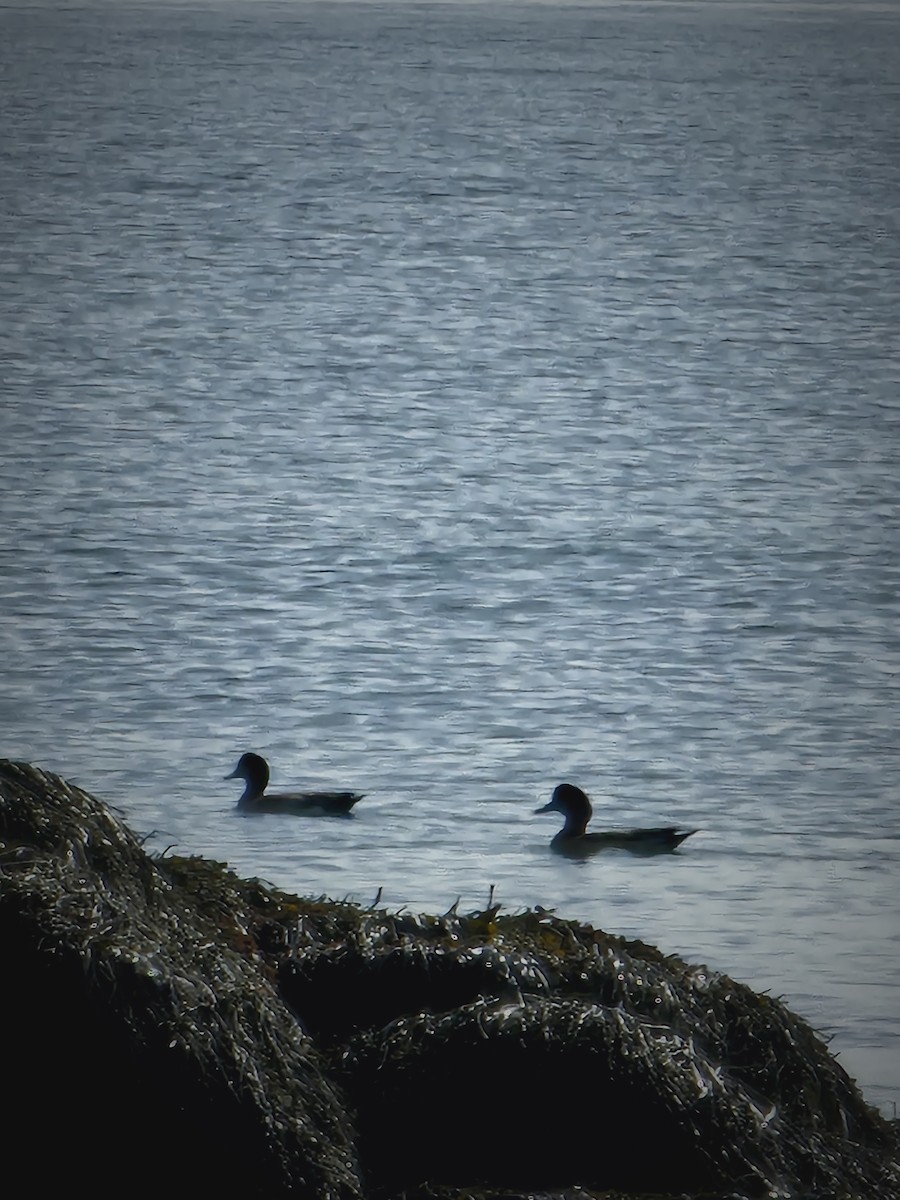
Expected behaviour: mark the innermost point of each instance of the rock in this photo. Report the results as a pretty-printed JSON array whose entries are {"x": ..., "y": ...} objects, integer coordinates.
[
  {"x": 142, "y": 1039},
  {"x": 164, "y": 1013}
]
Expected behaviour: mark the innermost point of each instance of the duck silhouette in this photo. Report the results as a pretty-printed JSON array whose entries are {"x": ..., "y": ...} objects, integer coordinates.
[
  {"x": 254, "y": 770},
  {"x": 573, "y": 840}
]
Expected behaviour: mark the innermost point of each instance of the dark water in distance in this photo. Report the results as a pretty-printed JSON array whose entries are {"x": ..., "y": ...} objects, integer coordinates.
[{"x": 447, "y": 401}]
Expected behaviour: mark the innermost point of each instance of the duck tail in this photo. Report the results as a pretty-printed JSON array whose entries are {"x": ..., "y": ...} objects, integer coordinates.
[{"x": 682, "y": 836}]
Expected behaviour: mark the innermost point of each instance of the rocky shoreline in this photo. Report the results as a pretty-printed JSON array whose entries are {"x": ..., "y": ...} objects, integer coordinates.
[{"x": 164, "y": 1016}]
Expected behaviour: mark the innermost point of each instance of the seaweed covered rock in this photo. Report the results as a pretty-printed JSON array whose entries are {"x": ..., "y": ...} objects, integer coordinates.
[
  {"x": 577, "y": 1058},
  {"x": 136, "y": 1028},
  {"x": 281, "y": 1046}
]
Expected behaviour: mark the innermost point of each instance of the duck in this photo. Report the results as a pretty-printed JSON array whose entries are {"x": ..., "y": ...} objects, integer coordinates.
[
  {"x": 573, "y": 840},
  {"x": 254, "y": 769}
]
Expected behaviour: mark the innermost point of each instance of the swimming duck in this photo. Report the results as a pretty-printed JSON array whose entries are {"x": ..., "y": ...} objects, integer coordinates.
[
  {"x": 573, "y": 841},
  {"x": 255, "y": 770}
]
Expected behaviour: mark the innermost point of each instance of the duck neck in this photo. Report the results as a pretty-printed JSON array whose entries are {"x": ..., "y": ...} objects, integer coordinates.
[
  {"x": 251, "y": 795},
  {"x": 575, "y": 825}
]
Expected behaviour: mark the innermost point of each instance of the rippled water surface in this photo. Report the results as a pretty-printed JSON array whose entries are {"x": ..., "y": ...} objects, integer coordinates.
[{"x": 446, "y": 401}]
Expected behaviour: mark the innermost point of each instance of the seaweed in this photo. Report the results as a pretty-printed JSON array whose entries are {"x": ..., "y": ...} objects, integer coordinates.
[
  {"x": 279, "y": 1045},
  {"x": 136, "y": 1027}
]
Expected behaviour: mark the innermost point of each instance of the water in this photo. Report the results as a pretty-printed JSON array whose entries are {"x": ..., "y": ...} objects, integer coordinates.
[{"x": 446, "y": 401}]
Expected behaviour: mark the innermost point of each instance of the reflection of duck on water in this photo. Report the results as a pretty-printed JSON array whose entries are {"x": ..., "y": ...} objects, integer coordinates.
[
  {"x": 573, "y": 841},
  {"x": 254, "y": 769}
]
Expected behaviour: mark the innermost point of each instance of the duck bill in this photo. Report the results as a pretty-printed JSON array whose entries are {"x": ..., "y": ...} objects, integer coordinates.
[{"x": 551, "y": 807}]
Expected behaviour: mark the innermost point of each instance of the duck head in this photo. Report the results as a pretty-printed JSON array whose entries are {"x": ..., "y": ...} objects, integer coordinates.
[
  {"x": 254, "y": 770},
  {"x": 573, "y": 803}
]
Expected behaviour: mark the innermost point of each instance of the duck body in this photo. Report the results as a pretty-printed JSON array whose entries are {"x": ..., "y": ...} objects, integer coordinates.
[
  {"x": 254, "y": 770},
  {"x": 574, "y": 841}
]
